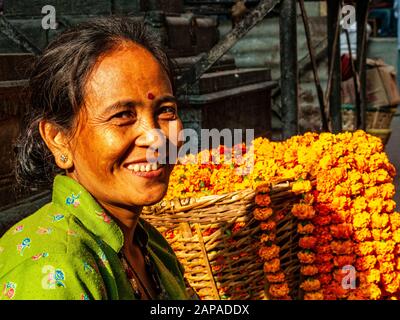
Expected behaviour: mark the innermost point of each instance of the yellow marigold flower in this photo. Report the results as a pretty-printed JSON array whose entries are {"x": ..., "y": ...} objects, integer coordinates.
[
  {"x": 396, "y": 236},
  {"x": 386, "y": 267},
  {"x": 379, "y": 221},
  {"x": 365, "y": 248},
  {"x": 361, "y": 220},
  {"x": 370, "y": 276},
  {"x": 372, "y": 291},
  {"x": 384, "y": 247},
  {"x": 395, "y": 220},
  {"x": 362, "y": 235},
  {"x": 301, "y": 186}
]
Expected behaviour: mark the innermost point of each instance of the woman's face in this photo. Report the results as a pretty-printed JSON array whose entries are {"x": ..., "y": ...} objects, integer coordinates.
[{"x": 128, "y": 95}]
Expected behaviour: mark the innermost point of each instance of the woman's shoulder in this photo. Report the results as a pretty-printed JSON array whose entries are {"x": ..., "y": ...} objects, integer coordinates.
[{"x": 47, "y": 232}]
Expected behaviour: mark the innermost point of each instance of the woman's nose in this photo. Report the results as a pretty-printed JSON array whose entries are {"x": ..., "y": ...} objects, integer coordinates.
[{"x": 150, "y": 135}]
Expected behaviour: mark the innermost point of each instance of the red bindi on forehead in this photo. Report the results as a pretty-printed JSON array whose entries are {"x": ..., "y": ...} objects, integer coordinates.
[{"x": 150, "y": 96}]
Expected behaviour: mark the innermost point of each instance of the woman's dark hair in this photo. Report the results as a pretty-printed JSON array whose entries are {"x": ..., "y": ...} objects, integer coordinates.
[{"x": 57, "y": 82}]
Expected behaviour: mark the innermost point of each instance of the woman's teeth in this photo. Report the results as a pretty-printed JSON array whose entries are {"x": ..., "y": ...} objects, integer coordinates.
[{"x": 144, "y": 167}]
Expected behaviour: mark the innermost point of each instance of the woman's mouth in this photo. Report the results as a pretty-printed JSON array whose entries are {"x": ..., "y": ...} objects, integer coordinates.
[{"x": 146, "y": 170}]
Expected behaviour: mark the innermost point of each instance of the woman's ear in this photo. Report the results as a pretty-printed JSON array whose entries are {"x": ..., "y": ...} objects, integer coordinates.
[{"x": 57, "y": 141}]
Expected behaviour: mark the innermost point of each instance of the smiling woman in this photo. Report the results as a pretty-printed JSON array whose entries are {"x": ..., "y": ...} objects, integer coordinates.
[{"x": 99, "y": 92}]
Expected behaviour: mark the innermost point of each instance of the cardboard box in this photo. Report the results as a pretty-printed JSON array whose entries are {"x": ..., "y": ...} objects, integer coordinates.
[{"x": 382, "y": 89}]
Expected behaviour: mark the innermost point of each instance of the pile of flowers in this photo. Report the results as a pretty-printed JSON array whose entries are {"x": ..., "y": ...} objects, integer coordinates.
[{"x": 349, "y": 245}]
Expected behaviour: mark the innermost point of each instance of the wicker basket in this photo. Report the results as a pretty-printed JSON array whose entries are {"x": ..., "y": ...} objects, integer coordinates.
[
  {"x": 377, "y": 118},
  {"x": 217, "y": 239}
]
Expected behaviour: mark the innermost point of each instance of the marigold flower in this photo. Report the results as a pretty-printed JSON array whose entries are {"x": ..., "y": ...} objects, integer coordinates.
[
  {"x": 324, "y": 278},
  {"x": 305, "y": 229},
  {"x": 323, "y": 257},
  {"x": 371, "y": 291},
  {"x": 262, "y": 213},
  {"x": 365, "y": 263},
  {"x": 365, "y": 248},
  {"x": 314, "y": 296},
  {"x": 344, "y": 260},
  {"x": 306, "y": 257},
  {"x": 268, "y": 253},
  {"x": 272, "y": 266},
  {"x": 342, "y": 247},
  {"x": 323, "y": 248},
  {"x": 279, "y": 290},
  {"x": 391, "y": 282},
  {"x": 395, "y": 220},
  {"x": 361, "y": 220},
  {"x": 268, "y": 226},
  {"x": 370, "y": 276},
  {"x": 301, "y": 186},
  {"x": 342, "y": 231},
  {"x": 308, "y": 270},
  {"x": 379, "y": 221},
  {"x": 263, "y": 200},
  {"x": 275, "y": 277},
  {"x": 310, "y": 285},
  {"x": 303, "y": 211},
  {"x": 268, "y": 237},
  {"x": 384, "y": 247},
  {"x": 325, "y": 267},
  {"x": 308, "y": 242},
  {"x": 386, "y": 267}
]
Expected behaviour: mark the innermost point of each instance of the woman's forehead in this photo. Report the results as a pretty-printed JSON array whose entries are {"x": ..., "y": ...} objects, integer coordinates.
[{"x": 128, "y": 71}]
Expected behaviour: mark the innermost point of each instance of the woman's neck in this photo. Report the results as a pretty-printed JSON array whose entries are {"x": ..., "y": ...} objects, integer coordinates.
[{"x": 126, "y": 218}]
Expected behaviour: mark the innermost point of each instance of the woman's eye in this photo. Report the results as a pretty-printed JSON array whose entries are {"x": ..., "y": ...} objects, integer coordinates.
[
  {"x": 167, "y": 113},
  {"x": 124, "y": 115}
]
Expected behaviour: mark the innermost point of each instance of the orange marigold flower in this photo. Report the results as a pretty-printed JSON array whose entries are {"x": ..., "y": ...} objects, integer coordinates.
[
  {"x": 305, "y": 229},
  {"x": 262, "y": 213},
  {"x": 324, "y": 278},
  {"x": 365, "y": 248},
  {"x": 268, "y": 253},
  {"x": 263, "y": 200},
  {"x": 279, "y": 290},
  {"x": 303, "y": 211},
  {"x": 361, "y": 220},
  {"x": 365, "y": 263},
  {"x": 268, "y": 226},
  {"x": 310, "y": 285},
  {"x": 306, "y": 257},
  {"x": 379, "y": 221},
  {"x": 323, "y": 257},
  {"x": 342, "y": 247},
  {"x": 308, "y": 270},
  {"x": 314, "y": 296},
  {"x": 325, "y": 267},
  {"x": 321, "y": 220},
  {"x": 307, "y": 242},
  {"x": 275, "y": 277},
  {"x": 342, "y": 231},
  {"x": 323, "y": 248},
  {"x": 268, "y": 237},
  {"x": 272, "y": 266},
  {"x": 345, "y": 260}
]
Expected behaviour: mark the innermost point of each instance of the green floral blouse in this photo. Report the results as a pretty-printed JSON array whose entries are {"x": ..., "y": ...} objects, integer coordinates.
[{"x": 69, "y": 249}]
